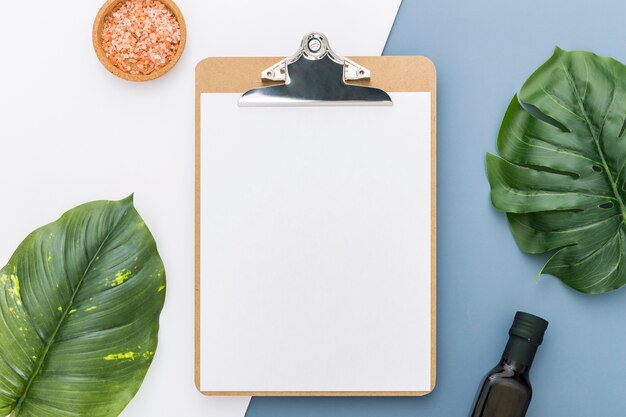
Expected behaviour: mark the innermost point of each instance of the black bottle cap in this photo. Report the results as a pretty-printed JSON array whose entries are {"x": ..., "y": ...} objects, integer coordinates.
[
  {"x": 525, "y": 336},
  {"x": 529, "y": 327}
]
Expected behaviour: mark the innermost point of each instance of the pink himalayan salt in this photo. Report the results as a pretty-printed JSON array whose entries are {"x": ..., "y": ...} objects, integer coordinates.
[{"x": 140, "y": 36}]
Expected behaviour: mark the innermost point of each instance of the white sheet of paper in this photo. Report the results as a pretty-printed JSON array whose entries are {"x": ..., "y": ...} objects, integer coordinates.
[
  {"x": 315, "y": 246},
  {"x": 71, "y": 132}
]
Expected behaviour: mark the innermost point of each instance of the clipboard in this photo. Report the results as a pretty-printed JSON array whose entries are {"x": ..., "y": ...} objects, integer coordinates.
[{"x": 272, "y": 81}]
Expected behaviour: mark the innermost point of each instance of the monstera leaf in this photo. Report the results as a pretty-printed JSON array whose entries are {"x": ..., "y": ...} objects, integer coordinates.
[
  {"x": 79, "y": 314},
  {"x": 561, "y": 175}
]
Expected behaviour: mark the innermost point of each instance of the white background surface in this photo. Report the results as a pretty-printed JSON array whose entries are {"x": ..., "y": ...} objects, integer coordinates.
[
  {"x": 70, "y": 132},
  {"x": 315, "y": 246}
]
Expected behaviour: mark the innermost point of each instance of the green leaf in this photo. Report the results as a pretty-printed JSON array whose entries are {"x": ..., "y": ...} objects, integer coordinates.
[
  {"x": 560, "y": 175},
  {"x": 79, "y": 314}
]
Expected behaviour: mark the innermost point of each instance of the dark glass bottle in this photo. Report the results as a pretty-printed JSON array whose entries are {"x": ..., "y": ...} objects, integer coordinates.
[{"x": 506, "y": 390}]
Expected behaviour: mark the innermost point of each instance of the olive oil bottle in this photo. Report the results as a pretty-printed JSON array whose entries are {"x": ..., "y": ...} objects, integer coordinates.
[{"x": 506, "y": 390}]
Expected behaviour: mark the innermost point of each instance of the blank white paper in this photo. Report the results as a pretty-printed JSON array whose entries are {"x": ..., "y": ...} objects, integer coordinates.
[{"x": 315, "y": 246}]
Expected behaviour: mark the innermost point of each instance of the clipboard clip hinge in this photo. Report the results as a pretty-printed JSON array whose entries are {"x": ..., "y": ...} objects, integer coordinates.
[
  {"x": 315, "y": 75},
  {"x": 277, "y": 72}
]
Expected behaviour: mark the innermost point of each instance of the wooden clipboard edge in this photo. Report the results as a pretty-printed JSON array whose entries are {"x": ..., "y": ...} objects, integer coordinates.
[{"x": 390, "y": 73}]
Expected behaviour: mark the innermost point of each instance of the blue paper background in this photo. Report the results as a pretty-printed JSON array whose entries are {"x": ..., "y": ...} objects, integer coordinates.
[{"x": 484, "y": 51}]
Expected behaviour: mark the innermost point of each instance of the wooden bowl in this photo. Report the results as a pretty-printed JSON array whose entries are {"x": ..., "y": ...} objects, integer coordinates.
[{"x": 98, "y": 26}]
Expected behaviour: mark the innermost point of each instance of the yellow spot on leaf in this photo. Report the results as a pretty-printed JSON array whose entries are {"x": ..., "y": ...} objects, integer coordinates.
[
  {"x": 49, "y": 258},
  {"x": 121, "y": 277},
  {"x": 14, "y": 290},
  {"x": 59, "y": 308},
  {"x": 161, "y": 288},
  {"x": 91, "y": 308},
  {"x": 72, "y": 311},
  {"x": 120, "y": 356},
  {"x": 147, "y": 355}
]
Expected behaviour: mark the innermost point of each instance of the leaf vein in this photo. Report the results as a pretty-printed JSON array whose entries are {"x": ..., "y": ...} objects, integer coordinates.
[
  {"x": 563, "y": 150},
  {"x": 617, "y": 264},
  {"x": 558, "y": 103}
]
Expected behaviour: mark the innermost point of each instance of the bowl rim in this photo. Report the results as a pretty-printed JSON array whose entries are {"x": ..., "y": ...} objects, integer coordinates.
[{"x": 98, "y": 25}]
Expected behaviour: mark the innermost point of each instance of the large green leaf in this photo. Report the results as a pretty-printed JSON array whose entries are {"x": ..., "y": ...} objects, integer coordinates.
[
  {"x": 79, "y": 314},
  {"x": 560, "y": 177}
]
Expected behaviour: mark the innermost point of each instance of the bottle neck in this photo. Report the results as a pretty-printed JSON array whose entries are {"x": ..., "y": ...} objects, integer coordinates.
[
  {"x": 510, "y": 365},
  {"x": 519, "y": 352}
]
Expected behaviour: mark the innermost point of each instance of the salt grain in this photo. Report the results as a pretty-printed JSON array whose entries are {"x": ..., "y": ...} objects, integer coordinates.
[{"x": 140, "y": 36}]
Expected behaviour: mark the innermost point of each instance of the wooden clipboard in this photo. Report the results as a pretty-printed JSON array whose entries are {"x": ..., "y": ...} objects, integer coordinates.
[{"x": 390, "y": 73}]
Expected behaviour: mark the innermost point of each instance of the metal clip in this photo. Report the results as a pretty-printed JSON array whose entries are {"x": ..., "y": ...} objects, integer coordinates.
[
  {"x": 352, "y": 70},
  {"x": 315, "y": 75}
]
